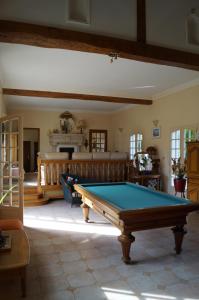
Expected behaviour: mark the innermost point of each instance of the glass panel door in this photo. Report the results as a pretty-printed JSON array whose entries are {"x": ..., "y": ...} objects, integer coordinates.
[
  {"x": 97, "y": 140},
  {"x": 11, "y": 167}
]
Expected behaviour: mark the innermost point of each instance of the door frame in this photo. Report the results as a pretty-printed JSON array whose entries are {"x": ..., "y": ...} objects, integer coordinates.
[
  {"x": 13, "y": 212},
  {"x": 38, "y": 130}
]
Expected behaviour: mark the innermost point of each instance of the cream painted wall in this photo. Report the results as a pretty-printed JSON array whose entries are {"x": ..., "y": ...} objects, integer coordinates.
[
  {"x": 178, "y": 110},
  {"x": 174, "y": 111},
  {"x": 49, "y": 120}
]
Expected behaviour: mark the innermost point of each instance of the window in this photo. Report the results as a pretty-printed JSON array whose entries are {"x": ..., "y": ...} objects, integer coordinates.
[
  {"x": 136, "y": 141},
  {"x": 189, "y": 135},
  {"x": 179, "y": 138},
  {"x": 175, "y": 144},
  {"x": 97, "y": 140}
]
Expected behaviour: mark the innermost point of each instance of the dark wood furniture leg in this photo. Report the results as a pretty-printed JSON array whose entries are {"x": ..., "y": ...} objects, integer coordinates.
[
  {"x": 126, "y": 238},
  {"x": 85, "y": 210},
  {"x": 179, "y": 233}
]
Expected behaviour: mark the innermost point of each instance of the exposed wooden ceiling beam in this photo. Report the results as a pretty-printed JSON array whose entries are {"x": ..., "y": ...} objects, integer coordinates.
[
  {"x": 141, "y": 21},
  {"x": 60, "y": 95},
  {"x": 49, "y": 37}
]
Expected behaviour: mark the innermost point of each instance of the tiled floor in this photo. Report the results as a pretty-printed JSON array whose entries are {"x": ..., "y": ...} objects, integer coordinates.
[{"x": 74, "y": 260}]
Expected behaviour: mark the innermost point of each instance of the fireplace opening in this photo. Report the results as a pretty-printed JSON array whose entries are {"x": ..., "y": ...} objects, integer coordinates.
[{"x": 70, "y": 150}]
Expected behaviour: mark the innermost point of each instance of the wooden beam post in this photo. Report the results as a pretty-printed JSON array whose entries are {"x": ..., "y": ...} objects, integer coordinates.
[
  {"x": 49, "y": 37},
  {"x": 141, "y": 21},
  {"x": 74, "y": 96}
]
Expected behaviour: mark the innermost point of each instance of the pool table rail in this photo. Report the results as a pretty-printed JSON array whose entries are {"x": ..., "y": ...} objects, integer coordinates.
[{"x": 151, "y": 218}]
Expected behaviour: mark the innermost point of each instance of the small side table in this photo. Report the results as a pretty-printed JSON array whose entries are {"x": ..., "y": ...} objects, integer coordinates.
[{"x": 13, "y": 262}]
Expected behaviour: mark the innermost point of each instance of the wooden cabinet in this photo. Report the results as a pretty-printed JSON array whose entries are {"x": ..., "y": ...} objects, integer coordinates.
[{"x": 193, "y": 171}]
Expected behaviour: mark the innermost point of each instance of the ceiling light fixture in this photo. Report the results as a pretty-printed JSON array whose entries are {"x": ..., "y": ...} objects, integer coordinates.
[{"x": 113, "y": 56}]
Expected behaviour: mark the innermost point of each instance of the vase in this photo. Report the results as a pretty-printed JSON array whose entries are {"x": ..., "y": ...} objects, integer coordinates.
[{"x": 179, "y": 184}]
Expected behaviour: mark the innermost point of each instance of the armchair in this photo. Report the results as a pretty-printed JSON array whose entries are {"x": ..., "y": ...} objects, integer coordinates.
[{"x": 67, "y": 181}]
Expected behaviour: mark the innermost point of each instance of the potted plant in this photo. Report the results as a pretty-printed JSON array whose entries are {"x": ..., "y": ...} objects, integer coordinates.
[
  {"x": 145, "y": 164},
  {"x": 179, "y": 170}
]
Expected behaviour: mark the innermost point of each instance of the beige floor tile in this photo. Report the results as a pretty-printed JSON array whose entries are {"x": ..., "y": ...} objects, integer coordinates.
[
  {"x": 59, "y": 295},
  {"x": 50, "y": 284},
  {"x": 45, "y": 259},
  {"x": 69, "y": 256},
  {"x": 106, "y": 275},
  {"x": 74, "y": 265},
  {"x": 89, "y": 293},
  {"x": 90, "y": 253},
  {"x": 99, "y": 263},
  {"x": 81, "y": 279},
  {"x": 50, "y": 270}
]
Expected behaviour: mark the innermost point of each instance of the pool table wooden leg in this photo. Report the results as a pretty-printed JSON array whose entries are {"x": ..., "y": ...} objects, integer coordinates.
[
  {"x": 85, "y": 210},
  {"x": 126, "y": 238},
  {"x": 179, "y": 233}
]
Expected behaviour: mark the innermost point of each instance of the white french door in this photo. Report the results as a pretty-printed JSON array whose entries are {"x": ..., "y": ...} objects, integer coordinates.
[{"x": 11, "y": 167}]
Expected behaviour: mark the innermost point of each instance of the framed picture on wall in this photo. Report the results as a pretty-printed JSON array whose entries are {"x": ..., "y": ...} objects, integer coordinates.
[{"x": 156, "y": 132}]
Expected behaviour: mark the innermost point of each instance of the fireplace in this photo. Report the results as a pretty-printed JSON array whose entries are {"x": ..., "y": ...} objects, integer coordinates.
[{"x": 67, "y": 148}]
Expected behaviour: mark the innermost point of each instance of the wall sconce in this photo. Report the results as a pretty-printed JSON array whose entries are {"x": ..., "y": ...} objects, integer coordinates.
[
  {"x": 120, "y": 129},
  {"x": 155, "y": 123}
]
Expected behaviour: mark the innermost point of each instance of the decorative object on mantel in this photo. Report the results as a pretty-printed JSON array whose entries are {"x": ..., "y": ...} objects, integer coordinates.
[
  {"x": 86, "y": 143},
  {"x": 81, "y": 124},
  {"x": 55, "y": 131},
  {"x": 66, "y": 115},
  {"x": 66, "y": 122}
]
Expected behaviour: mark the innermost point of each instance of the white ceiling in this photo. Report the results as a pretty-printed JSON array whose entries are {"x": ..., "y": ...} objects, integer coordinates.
[
  {"x": 38, "y": 103},
  {"x": 27, "y": 67}
]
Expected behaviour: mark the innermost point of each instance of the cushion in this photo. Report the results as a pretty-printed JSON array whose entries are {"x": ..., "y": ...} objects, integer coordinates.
[
  {"x": 119, "y": 155},
  {"x": 101, "y": 155},
  {"x": 56, "y": 155},
  {"x": 82, "y": 155},
  {"x": 11, "y": 224},
  {"x": 70, "y": 180}
]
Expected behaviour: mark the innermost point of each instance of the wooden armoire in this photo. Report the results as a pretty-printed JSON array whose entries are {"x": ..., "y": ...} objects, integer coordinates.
[{"x": 193, "y": 171}]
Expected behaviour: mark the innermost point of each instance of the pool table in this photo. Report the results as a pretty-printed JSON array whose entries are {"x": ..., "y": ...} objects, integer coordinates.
[{"x": 132, "y": 207}]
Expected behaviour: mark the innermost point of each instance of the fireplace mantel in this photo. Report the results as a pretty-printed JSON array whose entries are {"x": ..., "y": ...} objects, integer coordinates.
[{"x": 66, "y": 138}]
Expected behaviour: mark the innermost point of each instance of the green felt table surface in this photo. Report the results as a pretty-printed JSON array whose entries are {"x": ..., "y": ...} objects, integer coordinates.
[{"x": 129, "y": 196}]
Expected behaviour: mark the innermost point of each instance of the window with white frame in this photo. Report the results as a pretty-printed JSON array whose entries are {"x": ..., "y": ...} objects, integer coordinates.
[
  {"x": 136, "y": 141},
  {"x": 179, "y": 138}
]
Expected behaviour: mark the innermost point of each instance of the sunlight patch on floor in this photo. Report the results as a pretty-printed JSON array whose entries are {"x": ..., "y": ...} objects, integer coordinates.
[
  {"x": 155, "y": 296},
  {"x": 116, "y": 294},
  {"x": 74, "y": 227},
  {"x": 30, "y": 184}
]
